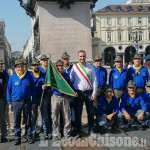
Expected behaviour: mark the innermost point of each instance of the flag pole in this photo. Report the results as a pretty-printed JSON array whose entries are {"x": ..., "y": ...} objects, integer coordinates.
[{"x": 45, "y": 80}]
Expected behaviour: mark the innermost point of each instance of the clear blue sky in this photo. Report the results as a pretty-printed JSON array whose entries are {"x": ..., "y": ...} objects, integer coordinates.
[{"x": 18, "y": 25}]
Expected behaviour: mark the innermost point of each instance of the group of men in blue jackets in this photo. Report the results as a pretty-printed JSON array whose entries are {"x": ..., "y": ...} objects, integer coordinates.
[{"x": 126, "y": 97}]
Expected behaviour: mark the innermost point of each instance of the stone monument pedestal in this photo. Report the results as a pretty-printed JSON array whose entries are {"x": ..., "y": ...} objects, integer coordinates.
[{"x": 64, "y": 29}]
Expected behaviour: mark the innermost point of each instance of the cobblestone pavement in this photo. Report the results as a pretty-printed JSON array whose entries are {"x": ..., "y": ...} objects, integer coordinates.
[{"x": 136, "y": 140}]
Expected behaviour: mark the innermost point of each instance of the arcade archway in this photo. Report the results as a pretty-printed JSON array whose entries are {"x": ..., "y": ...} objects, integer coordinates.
[
  {"x": 109, "y": 56},
  {"x": 129, "y": 54},
  {"x": 147, "y": 50}
]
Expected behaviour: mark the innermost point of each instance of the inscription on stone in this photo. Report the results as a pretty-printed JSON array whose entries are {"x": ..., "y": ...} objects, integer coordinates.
[{"x": 65, "y": 30}]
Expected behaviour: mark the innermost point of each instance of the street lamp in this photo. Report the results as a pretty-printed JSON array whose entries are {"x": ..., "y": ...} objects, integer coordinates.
[
  {"x": 130, "y": 54},
  {"x": 136, "y": 39},
  {"x": 109, "y": 56}
]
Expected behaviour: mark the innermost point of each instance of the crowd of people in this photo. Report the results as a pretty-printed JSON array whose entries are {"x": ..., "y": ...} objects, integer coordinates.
[{"x": 126, "y": 97}]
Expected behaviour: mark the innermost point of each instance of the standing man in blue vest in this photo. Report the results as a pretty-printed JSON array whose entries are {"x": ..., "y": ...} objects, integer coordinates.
[
  {"x": 25, "y": 61},
  {"x": 118, "y": 78},
  {"x": 139, "y": 74},
  {"x": 44, "y": 65},
  {"x": 61, "y": 102},
  {"x": 67, "y": 69},
  {"x": 101, "y": 75},
  {"x": 6, "y": 76},
  {"x": 20, "y": 89},
  {"x": 39, "y": 79},
  {"x": 3, "y": 104}
]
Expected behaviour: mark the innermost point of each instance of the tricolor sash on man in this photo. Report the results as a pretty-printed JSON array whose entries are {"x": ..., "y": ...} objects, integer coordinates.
[
  {"x": 57, "y": 81},
  {"x": 84, "y": 73}
]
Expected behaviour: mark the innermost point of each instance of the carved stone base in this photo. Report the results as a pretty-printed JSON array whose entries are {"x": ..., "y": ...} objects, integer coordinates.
[{"x": 64, "y": 29}]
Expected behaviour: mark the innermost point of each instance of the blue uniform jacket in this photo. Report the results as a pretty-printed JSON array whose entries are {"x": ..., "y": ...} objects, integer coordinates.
[
  {"x": 6, "y": 75},
  {"x": 67, "y": 78},
  {"x": 132, "y": 105},
  {"x": 101, "y": 75},
  {"x": 48, "y": 89},
  {"x": 21, "y": 88},
  {"x": 43, "y": 71},
  {"x": 146, "y": 97},
  {"x": 139, "y": 79},
  {"x": 39, "y": 84},
  {"x": 103, "y": 107},
  {"x": 118, "y": 80},
  {"x": 68, "y": 70}
]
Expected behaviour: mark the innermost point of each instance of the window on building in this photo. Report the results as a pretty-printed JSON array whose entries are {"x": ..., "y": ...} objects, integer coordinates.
[
  {"x": 140, "y": 20},
  {"x": 118, "y": 9},
  {"x": 108, "y": 21},
  {"x": 129, "y": 8},
  {"x": 129, "y": 21},
  {"x": 107, "y": 9},
  {"x": 119, "y": 36},
  {"x": 140, "y": 35},
  {"x": 140, "y": 8},
  {"x": 149, "y": 35},
  {"x": 109, "y": 36},
  {"x": 130, "y": 36},
  {"x": 119, "y": 21},
  {"x": 148, "y": 8}
]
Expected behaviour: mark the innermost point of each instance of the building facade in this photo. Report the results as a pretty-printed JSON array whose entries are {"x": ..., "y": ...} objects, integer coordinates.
[
  {"x": 28, "y": 50},
  {"x": 138, "y": 2},
  {"x": 123, "y": 30},
  {"x": 5, "y": 48}
]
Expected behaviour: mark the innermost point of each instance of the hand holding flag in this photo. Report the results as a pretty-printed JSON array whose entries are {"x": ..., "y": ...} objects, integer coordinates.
[{"x": 57, "y": 81}]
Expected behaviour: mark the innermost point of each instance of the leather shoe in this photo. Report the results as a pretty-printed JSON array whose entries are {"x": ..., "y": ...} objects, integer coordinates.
[
  {"x": 17, "y": 142},
  {"x": 4, "y": 139},
  {"x": 115, "y": 129}
]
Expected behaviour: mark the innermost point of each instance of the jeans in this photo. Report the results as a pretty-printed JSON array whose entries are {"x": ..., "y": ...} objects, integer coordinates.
[
  {"x": 44, "y": 114},
  {"x": 103, "y": 121},
  {"x": 79, "y": 101},
  {"x": 134, "y": 116},
  {"x": 3, "y": 104},
  {"x": 17, "y": 108}
]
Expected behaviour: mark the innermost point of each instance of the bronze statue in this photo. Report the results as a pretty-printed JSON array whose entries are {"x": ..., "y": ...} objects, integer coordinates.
[{"x": 29, "y": 6}]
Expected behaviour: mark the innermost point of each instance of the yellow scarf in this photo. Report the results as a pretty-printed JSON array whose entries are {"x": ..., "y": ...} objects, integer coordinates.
[
  {"x": 2, "y": 70},
  {"x": 119, "y": 69},
  {"x": 109, "y": 99},
  {"x": 36, "y": 74},
  {"x": 67, "y": 68},
  {"x": 22, "y": 76},
  {"x": 44, "y": 68},
  {"x": 131, "y": 95},
  {"x": 97, "y": 66},
  {"x": 137, "y": 69}
]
